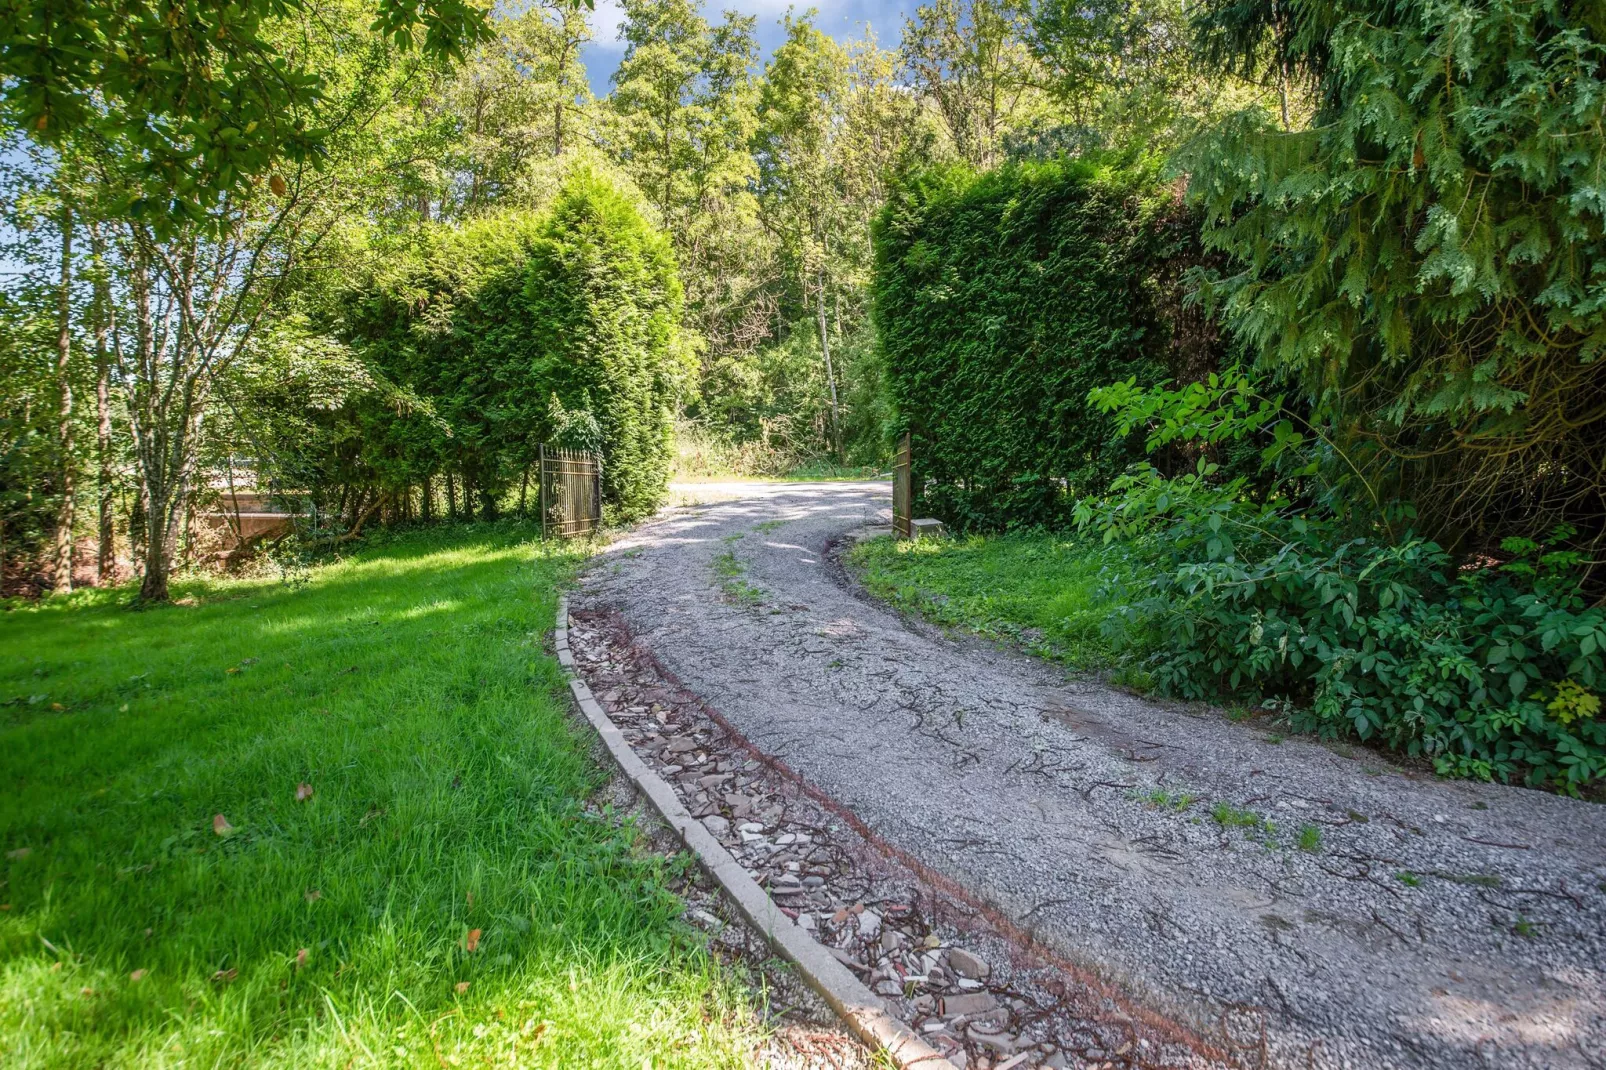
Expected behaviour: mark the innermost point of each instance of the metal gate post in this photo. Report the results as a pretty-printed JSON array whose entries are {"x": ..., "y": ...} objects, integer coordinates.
[{"x": 541, "y": 469}]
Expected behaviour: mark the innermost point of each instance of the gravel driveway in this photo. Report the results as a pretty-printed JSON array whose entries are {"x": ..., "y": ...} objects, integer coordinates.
[{"x": 1434, "y": 924}]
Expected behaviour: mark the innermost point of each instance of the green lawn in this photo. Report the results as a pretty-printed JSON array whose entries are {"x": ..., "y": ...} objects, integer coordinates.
[
  {"x": 1053, "y": 594},
  {"x": 442, "y": 899}
]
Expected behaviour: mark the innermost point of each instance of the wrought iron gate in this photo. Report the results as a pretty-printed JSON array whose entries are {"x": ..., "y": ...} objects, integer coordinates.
[
  {"x": 902, "y": 489},
  {"x": 571, "y": 492}
]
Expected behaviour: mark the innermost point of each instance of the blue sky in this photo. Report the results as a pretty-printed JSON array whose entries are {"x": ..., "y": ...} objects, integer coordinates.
[{"x": 841, "y": 19}]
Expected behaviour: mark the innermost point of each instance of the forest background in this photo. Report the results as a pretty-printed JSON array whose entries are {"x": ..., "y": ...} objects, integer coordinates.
[{"x": 294, "y": 286}]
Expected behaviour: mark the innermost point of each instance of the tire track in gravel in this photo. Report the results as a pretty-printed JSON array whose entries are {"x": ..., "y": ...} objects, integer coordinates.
[{"x": 1438, "y": 924}]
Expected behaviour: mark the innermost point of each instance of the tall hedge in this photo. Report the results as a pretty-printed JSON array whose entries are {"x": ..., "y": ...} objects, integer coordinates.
[
  {"x": 603, "y": 297},
  {"x": 486, "y": 323},
  {"x": 1001, "y": 299}
]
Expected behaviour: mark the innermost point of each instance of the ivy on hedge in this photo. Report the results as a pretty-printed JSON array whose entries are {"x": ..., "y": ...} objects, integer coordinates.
[{"x": 1002, "y": 299}]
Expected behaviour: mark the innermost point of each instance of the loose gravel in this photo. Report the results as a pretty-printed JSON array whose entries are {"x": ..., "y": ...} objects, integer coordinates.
[
  {"x": 1288, "y": 903},
  {"x": 975, "y": 997}
]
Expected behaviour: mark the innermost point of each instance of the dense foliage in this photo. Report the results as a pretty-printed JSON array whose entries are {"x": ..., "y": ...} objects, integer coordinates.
[
  {"x": 1425, "y": 259},
  {"x": 1491, "y": 670},
  {"x": 1001, "y": 300},
  {"x": 203, "y": 98},
  {"x": 501, "y": 334}
]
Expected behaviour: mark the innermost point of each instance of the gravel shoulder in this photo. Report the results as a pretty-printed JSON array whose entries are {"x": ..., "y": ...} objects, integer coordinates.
[{"x": 1431, "y": 924}]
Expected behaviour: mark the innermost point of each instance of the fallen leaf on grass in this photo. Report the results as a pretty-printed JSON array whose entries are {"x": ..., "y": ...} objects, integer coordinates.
[
  {"x": 232, "y": 670},
  {"x": 220, "y": 825},
  {"x": 5, "y": 906},
  {"x": 137, "y": 975},
  {"x": 301, "y": 957},
  {"x": 223, "y": 977},
  {"x": 473, "y": 940},
  {"x": 462, "y": 986},
  {"x": 58, "y": 707},
  {"x": 312, "y": 895},
  {"x": 20, "y": 853},
  {"x": 376, "y": 812},
  {"x": 303, "y": 791}
]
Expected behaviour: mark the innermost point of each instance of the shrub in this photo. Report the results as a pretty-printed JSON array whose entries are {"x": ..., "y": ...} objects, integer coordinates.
[
  {"x": 602, "y": 307},
  {"x": 1425, "y": 257},
  {"x": 1491, "y": 669},
  {"x": 1001, "y": 299},
  {"x": 525, "y": 328}
]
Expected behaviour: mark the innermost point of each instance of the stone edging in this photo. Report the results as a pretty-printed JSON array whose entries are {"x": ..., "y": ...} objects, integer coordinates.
[{"x": 854, "y": 1003}]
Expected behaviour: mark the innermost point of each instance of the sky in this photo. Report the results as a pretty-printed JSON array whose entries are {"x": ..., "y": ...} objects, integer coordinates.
[{"x": 841, "y": 19}]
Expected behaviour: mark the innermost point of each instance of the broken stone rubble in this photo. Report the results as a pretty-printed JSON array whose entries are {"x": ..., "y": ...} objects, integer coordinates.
[{"x": 871, "y": 917}]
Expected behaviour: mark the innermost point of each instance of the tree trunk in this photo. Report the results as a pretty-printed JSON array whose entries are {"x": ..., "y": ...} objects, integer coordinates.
[
  {"x": 830, "y": 377},
  {"x": 451, "y": 496},
  {"x": 64, "y": 513},
  {"x": 106, "y": 557},
  {"x": 426, "y": 500},
  {"x": 160, "y": 517},
  {"x": 106, "y": 531}
]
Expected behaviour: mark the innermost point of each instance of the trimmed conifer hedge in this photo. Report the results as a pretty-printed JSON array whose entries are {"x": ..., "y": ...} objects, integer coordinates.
[
  {"x": 516, "y": 329},
  {"x": 1001, "y": 299}
]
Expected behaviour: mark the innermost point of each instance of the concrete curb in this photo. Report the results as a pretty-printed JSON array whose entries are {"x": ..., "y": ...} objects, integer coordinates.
[{"x": 857, "y": 1006}]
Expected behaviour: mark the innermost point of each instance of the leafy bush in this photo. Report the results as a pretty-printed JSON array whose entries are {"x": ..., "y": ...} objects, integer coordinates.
[
  {"x": 1001, "y": 299},
  {"x": 1491, "y": 669},
  {"x": 527, "y": 328}
]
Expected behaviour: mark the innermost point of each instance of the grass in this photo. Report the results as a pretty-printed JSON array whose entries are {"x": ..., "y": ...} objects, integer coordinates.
[
  {"x": 825, "y": 471},
  {"x": 731, "y": 573},
  {"x": 444, "y": 898},
  {"x": 1228, "y": 816},
  {"x": 1164, "y": 800},
  {"x": 1056, "y": 595}
]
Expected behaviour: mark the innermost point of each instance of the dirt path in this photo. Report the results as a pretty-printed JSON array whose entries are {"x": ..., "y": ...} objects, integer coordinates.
[{"x": 1436, "y": 924}]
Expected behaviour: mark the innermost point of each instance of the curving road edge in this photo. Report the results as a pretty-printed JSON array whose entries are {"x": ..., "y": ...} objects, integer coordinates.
[{"x": 857, "y": 1006}]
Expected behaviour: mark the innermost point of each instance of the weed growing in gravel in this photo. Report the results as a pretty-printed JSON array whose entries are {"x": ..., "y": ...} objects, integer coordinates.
[
  {"x": 1310, "y": 838},
  {"x": 1177, "y": 801},
  {"x": 1410, "y": 880},
  {"x": 1228, "y": 817},
  {"x": 767, "y": 526},
  {"x": 730, "y": 572}
]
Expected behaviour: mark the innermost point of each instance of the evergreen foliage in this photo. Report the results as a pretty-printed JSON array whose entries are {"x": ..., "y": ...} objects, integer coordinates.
[
  {"x": 512, "y": 330},
  {"x": 1001, "y": 300},
  {"x": 1426, "y": 258},
  {"x": 602, "y": 307}
]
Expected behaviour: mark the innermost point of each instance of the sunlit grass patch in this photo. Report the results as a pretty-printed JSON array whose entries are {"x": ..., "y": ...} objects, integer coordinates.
[
  {"x": 443, "y": 897},
  {"x": 1057, "y": 595}
]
